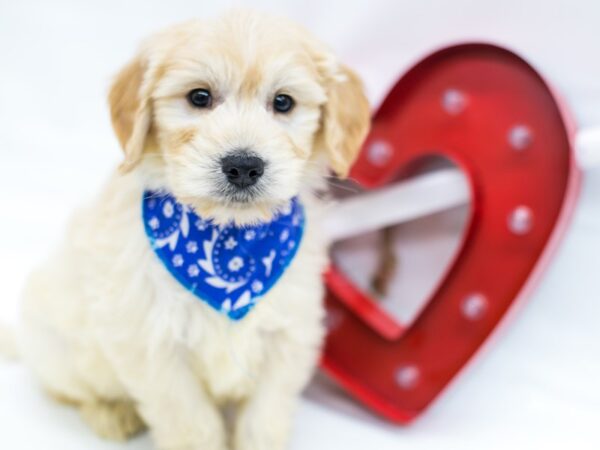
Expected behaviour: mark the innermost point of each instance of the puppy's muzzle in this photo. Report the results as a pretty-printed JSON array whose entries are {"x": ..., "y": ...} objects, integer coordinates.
[{"x": 242, "y": 170}]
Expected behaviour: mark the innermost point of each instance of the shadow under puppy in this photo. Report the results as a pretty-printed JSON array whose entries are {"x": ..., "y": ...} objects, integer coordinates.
[{"x": 193, "y": 280}]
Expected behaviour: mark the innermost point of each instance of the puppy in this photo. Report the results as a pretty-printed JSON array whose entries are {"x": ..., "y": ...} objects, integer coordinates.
[{"x": 236, "y": 120}]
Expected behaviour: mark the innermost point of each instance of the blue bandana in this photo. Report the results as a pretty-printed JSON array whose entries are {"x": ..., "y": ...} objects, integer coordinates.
[{"x": 226, "y": 266}]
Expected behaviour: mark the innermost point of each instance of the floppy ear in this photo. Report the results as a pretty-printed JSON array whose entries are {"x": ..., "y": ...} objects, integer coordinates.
[
  {"x": 346, "y": 120},
  {"x": 131, "y": 111}
]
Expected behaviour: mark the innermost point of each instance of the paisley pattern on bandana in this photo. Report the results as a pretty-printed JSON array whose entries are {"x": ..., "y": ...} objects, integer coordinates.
[{"x": 229, "y": 267}]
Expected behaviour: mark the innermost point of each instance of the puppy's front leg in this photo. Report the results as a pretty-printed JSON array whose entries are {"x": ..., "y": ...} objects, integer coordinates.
[
  {"x": 179, "y": 413},
  {"x": 264, "y": 420}
]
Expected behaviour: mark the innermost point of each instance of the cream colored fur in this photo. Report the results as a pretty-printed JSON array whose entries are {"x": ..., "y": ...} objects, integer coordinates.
[
  {"x": 8, "y": 346},
  {"x": 106, "y": 328}
]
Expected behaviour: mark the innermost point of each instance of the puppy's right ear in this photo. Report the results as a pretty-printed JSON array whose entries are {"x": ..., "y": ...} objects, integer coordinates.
[{"x": 131, "y": 111}]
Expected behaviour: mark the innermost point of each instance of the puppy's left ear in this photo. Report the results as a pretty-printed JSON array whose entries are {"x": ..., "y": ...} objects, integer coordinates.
[
  {"x": 346, "y": 120},
  {"x": 131, "y": 110}
]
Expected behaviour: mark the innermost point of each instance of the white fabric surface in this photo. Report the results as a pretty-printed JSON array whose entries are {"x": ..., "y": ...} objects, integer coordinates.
[{"x": 536, "y": 383}]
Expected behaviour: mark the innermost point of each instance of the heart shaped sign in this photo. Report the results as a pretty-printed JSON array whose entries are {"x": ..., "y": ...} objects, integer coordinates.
[{"x": 489, "y": 112}]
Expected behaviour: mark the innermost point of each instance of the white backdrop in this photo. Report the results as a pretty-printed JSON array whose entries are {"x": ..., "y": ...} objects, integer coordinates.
[{"x": 537, "y": 384}]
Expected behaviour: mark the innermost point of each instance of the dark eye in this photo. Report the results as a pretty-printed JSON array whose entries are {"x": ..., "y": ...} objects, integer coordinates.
[
  {"x": 200, "y": 98},
  {"x": 283, "y": 103}
]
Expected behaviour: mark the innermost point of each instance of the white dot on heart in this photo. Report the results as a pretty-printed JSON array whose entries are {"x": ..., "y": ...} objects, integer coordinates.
[
  {"x": 474, "y": 306},
  {"x": 408, "y": 376},
  {"x": 520, "y": 220},
  {"x": 379, "y": 153},
  {"x": 454, "y": 101},
  {"x": 520, "y": 137},
  {"x": 333, "y": 319}
]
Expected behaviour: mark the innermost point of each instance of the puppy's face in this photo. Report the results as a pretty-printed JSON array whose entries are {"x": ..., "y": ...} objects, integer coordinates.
[{"x": 237, "y": 116}]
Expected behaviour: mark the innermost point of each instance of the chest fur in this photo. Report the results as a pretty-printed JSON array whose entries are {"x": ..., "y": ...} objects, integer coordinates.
[{"x": 137, "y": 298}]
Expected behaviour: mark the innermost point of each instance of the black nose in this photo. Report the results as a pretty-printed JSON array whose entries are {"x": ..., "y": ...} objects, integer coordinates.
[{"x": 242, "y": 170}]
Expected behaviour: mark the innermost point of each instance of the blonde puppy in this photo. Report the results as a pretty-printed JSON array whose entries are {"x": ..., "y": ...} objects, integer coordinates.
[{"x": 233, "y": 118}]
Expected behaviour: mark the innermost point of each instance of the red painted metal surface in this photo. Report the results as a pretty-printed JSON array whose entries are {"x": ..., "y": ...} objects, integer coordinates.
[{"x": 489, "y": 112}]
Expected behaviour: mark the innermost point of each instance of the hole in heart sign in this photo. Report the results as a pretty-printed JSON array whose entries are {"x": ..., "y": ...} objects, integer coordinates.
[{"x": 400, "y": 266}]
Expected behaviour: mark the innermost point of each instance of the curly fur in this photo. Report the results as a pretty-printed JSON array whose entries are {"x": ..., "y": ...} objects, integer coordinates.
[{"x": 106, "y": 328}]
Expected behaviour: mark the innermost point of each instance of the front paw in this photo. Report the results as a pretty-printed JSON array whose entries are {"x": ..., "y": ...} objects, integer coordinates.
[
  {"x": 203, "y": 433},
  {"x": 181, "y": 446},
  {"x": 115, "y": 420},
  {"x": 253, "y": 433}
]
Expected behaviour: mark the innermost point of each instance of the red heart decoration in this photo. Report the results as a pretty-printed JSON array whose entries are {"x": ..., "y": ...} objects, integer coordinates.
[{"x": 490, "y": 113}]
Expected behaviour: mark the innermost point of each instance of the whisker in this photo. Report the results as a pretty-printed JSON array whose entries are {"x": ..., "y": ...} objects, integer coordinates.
[{"x": 341, "y": 185}]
